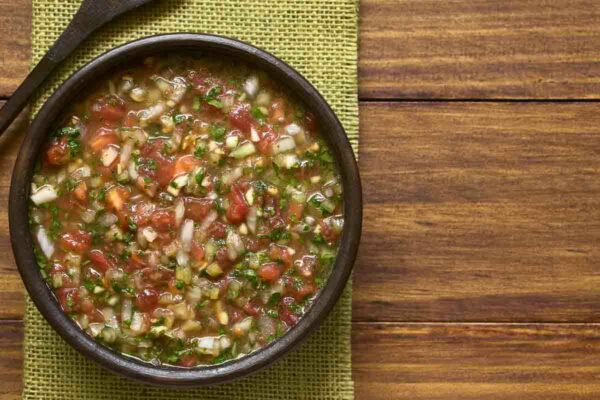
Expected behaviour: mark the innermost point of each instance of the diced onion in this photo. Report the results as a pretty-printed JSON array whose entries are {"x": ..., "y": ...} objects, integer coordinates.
[
  {"x": 44, "y": 194},
  {"x": 293, "y": 129},
  {"x": 126, "y": 153},
  {"x": 287, "y": 161},
  {"x": 131, "y": 168},
  {"x": 234, "y": 245},
  {"x": 149, "y": 234},
  {"x": 232, "y": 141},
  {"x": 108, "y": 219},
  {"x": 108, "y": 156},
  {"x": 83, "y": 172},
  {"x": 242, "y": 327},
  {"x": 88, "y": 216},
  {"x": 285, "y": 143},
  {"x": 251, "y": 86},
  {"x": 251, "y": 219},
  {"x": 179, "y": 212},
  {"x": 45, "y": 243},
  {"x": 183, "y": 258},
  {"x": 210, "y": 218},
  {"x": 187, "y": 234},
  {"x": 231, "y": 176}
]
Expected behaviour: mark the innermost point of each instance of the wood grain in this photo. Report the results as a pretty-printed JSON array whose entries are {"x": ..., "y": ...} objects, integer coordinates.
[
  {"x": 437, "y": 361},
  {"x": 476, "y": 361},
  {"x": 15, "y": 43},
  {"x": 479, "y": 49},
  {"x": 433, "y": 49},
  {"x": 479, "y": 212}
]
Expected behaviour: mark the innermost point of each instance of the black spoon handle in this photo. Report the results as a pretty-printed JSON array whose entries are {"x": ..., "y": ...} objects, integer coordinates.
[{"x": 91, "y": 15}]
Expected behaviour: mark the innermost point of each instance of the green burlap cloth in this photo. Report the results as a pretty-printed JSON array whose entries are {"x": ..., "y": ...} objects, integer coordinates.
[{"x": 319, "y": 38}]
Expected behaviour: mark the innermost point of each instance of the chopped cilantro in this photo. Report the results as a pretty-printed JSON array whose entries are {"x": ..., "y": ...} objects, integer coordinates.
[
  {"x": 216, "y": 131},
  {"x": 200, "y": 150}
]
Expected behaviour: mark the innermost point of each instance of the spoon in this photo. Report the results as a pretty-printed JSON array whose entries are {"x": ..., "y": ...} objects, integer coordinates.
[{"x": 92, "y": 14}]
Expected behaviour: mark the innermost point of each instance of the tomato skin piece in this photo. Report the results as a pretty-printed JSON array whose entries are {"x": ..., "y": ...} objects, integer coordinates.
[
  {"x": 288, "y": 317},
  {"x": 188, "y": 360},
  {"x": 252, "y": 309},
  {"x": 109, "y": 109},
  {"x": 185, "y": 164},
  {"x": 147, "y": 300},
  {"x": 77, "y": 241},
  {"x": 67, "y": 297},
  {"x": 295, "y": 210},
  {"x": 116, "y": 198},
  {"x": 238, "y": 208},
  {"x": 197, "y": 252},
  {"x": 58, "y": 152},
  {"x": 163, "y": 220},
  {"x": 217, "y": 230},
  {"x": 197, "y": 209},
  {"x": 266, "y": 139},
  {"x": 102, "y": 138},
  {"x": 100, "y": 260},
  {"x": 269, "y": 272},
  {"x": 240, "y": 118}
]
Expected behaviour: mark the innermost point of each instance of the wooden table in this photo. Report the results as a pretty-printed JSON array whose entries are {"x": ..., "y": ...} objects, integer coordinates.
[{"x": 479, "y": 268}]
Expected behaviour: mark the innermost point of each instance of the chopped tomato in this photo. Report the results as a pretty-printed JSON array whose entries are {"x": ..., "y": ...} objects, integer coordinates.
[
  {"x": 58, "y": 152},
  {"x": 101, "y": 139},
  {"x": 116, "y": 198},
  {"x": 197, "y": 252},
  {"x": 305, "y": 290},
  {"x": 328, "y": 232},
  {"x": 277, "y": 114},
  {"x": 163, "y": 220},
  {"x": 67, "y": 297},
  {"x": 77, "y": 241},
  {"x": 238, "y": 208},
  {"x": 295, "y": 210},
  {"x": 240, "y": 117},
  {"x": 266, "y": 138},
  {"x": 188, "y": 360},
  {"x": 100, "y": 260},
  {"x": 288, "y": 317},
  {"x": 80, "y": 192},
  {"x": 252, "y": 308},
  {"x": 141, "y": 213},
  {"x": 269, "y": 272},
  {"x": 147, "y": 300},
  {"x": 280, "y": 253},
  {"x": 185, "y": 164},
  {"x": 217, "y": 230},
  {"x": 135, "y": 262},
  {"x": 131, "y": 119},
  {"x": 197, "y": 209},
  {"x": 161, "y": 168},
  {"x": 109, "y": 109}
]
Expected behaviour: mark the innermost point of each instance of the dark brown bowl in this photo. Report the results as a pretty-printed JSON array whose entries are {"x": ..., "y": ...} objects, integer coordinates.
[{"x": 22, "y": 242}]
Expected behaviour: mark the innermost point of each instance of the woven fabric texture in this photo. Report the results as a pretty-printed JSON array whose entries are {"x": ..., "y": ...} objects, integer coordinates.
[{"x": 317, "y": 37}]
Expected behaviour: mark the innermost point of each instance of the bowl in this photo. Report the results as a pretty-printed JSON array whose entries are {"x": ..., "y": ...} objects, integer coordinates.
[{"x": 22, "y": 241}]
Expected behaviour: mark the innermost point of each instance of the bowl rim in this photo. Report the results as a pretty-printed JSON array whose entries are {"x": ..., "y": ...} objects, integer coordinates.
[{"x": 22, "y": 241}]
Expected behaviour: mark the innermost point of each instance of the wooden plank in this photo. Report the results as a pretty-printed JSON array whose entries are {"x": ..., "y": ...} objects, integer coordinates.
[
  {"x": 437, "y": 361},
  {"x": 479, "y": 49},
  {"x": 479, "y": 212},
  {"x": 469, "y": 362},
  {"x": 433, "y": 49},
  {"x": 473, "y": 212},
  {"x": 11, "y": 359},
  {"x": 11, "y": 287},
  {"x": 15, "y": 43}
]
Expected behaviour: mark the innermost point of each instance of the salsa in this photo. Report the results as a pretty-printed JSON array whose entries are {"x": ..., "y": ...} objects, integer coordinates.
[{"x": 186, "y": 210}]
